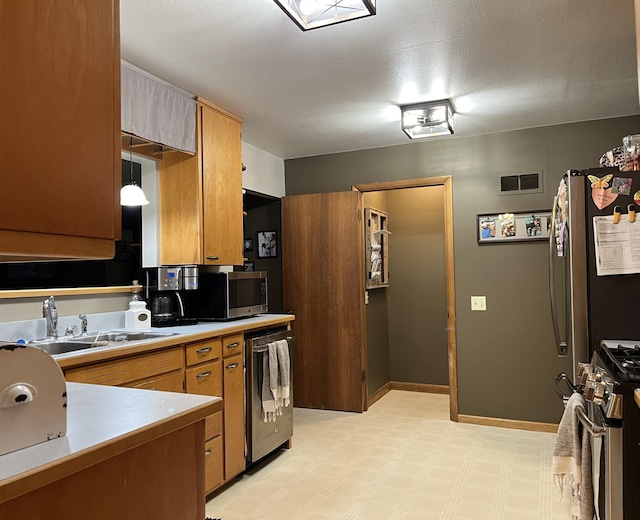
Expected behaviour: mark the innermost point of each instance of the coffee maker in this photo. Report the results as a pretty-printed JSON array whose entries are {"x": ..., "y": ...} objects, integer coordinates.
[{"x": 167, "y": 294}]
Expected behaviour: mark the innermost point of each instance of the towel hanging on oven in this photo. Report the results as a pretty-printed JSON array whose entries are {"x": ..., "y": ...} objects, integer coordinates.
[{"x": 572, "y": 459}]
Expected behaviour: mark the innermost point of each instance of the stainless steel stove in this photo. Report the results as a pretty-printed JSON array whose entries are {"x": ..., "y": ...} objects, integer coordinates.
[{"x": 608, "y": 384}]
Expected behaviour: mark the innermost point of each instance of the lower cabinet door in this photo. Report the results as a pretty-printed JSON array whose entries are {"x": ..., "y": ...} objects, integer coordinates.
[
  {"x": 234, "y": 421},
  {"x": 213, "y": 464}
]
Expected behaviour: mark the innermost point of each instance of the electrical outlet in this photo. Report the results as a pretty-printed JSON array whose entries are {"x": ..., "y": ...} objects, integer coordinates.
[{"x": 478, "y": 303}]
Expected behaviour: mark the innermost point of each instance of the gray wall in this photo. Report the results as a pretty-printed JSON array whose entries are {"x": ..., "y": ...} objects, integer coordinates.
[
  {"x": 506, "y": 356},
  {"x": 417, "y": 286}
]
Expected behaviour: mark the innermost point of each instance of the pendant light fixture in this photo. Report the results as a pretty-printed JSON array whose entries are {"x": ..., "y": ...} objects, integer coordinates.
[{"x": 132, "y": 194}]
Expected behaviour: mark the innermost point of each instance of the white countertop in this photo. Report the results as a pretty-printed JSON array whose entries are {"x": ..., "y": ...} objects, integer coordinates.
[
  {"x": 97, "y": 418},
  {"x": 216, "y": 327},
  {"x": 182, "y": 333}
]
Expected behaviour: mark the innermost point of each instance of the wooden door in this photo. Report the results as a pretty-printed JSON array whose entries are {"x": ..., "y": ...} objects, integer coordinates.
[{"x": 323, "y": 284}]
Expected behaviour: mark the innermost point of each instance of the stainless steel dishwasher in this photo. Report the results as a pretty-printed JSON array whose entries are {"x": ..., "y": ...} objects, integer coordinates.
[{"x": 265, "y": 437}]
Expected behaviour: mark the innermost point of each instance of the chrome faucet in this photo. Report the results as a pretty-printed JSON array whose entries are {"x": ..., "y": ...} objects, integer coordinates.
[
  {"x": 50, "y": 314},
  {"x": 83, "y": 319}
]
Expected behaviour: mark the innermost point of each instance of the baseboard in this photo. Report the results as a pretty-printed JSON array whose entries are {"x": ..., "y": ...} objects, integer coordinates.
[
  {"x": 375, "y": 396},
  {"x": 509, "y": 423},
  {"x": 409, "y": 387},
  {"x": 420, "y": 387}
]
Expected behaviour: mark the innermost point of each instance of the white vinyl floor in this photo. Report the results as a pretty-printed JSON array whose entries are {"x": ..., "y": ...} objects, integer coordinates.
[{"x": 401, "y": 460}]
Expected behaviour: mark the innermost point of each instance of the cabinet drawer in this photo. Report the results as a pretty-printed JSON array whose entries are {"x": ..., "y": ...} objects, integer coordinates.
[
  {"x": 203, "y": 351},
  {"x": 232, "y": 345},
  {"x": 213, "y": 464},
  {"x": 213, "y": 426},
  {"x": 173, "y": 382},
  {"x": 205, "y": 379},
  {"x": 135, "y": 368}
]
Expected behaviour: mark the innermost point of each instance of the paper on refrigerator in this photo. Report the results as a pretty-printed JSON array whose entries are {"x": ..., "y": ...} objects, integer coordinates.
[{"x": 617, "y": 246}]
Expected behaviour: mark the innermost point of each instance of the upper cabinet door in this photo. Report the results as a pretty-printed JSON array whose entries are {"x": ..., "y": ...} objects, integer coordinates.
[
  {"x": 323, "y": 284},
  {"x": 201, "y": 195},
  {"x": 222, "y": 187},
  {"x": 60, "y": 130}
]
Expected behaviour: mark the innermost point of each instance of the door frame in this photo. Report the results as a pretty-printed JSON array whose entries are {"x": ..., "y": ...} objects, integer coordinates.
[{"x": 445, "y": 181}]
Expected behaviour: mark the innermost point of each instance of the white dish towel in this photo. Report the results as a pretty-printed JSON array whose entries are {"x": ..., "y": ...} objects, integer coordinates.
[
  {"x": 284, "y": 367},
  {"x": 269, "y": 371},
  {"x": 572, "y": 459},
  {"x": 275, "y": 379}
]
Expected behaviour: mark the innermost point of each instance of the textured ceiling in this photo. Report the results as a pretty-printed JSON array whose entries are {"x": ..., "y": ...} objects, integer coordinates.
[{"x": 505, "y": 65}]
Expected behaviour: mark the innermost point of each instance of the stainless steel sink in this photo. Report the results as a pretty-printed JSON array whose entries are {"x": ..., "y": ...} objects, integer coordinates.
[
  {"x": 95, "y": 339},
  {"x": 113, "y": 336},
  {"x": 63, "y": 346}
]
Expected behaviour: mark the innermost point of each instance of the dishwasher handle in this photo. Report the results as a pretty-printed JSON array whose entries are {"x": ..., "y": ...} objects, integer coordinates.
[{"x": 265, "y": 346}]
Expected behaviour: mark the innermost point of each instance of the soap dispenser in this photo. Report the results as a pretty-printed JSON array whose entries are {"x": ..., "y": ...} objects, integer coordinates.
[{"x": 138, "y": 316}]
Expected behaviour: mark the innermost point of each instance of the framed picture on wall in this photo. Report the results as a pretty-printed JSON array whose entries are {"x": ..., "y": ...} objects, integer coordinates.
[
  {"x": 248, "y": 244},
  {"x": 267, "y": 244},
  {"x": 249, "y": 266},
  {"x": 496, "y": 228}
]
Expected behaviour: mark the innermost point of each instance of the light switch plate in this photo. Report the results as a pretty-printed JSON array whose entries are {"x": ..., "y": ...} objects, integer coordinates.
[{"x": 478, "y": 303}]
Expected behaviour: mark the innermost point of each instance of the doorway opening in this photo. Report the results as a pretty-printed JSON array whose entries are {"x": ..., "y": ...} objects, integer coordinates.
[{"x": 445, "y": 182}]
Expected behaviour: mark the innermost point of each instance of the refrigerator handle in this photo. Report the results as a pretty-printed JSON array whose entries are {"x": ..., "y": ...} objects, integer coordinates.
[{"x": 561, "y": 345}]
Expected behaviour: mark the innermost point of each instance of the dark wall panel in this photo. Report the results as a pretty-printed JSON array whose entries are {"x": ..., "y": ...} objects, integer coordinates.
[{"x": 417, "y": 286}]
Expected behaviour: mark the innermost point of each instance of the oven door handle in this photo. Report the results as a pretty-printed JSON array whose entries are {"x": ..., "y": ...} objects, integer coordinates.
[{"x": 594, "y": 430}]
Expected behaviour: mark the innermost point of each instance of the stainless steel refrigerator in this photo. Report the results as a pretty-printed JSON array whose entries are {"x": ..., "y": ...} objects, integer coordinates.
[{"x": 587, "y": 307}]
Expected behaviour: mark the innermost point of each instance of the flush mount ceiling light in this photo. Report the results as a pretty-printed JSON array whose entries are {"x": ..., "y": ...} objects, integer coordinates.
[
  {"x": 311, "y": 14},
  {"x": 427, "y": 119},
  {"x": 132, "y": 194}
]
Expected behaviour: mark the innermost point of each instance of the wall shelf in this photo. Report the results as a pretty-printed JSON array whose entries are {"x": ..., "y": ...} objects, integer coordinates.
[{"x": 376, "y": 248}]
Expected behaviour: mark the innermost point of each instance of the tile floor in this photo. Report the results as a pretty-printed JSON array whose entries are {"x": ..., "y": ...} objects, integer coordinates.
[{"x": 401, "y": 460}]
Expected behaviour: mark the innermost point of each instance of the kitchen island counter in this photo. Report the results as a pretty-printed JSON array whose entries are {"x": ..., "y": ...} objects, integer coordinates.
[{"x": 122, "y": 447}]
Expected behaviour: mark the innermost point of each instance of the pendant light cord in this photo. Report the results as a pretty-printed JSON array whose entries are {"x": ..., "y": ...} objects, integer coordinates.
[{"x": 131, "y": 159}]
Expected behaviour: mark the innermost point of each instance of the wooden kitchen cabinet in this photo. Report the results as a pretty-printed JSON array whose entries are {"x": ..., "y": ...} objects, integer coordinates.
[
  {"x": 213, "y": 464},
  {"x": 60, "y": 131},
  {"x": 232, "y": 345},
  {"x": 201, "y": 195},
  {"x": 162, "y": 370},
  {"x": 216, "y": 367},
  {"x": 204, "y": 379},
  {"x": 234, "y": 416},
  {"x": 204, "y": 376}
]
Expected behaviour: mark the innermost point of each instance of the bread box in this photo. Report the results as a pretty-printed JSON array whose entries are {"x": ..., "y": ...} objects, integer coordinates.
[{"x": 33, "y": 397}]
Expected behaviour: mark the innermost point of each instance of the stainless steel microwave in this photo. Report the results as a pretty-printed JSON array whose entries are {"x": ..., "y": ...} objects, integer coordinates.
[{"x": 228, "y": 295}]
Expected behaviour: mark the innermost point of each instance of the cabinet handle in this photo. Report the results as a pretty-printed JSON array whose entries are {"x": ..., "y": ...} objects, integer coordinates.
[
  {"x": 154, "y": 388},
  {"x": 232, "y": 365},
  {"x": 233, "y": 345},
  {"x": 203, "y": 374},
  {"x": 213, "y": 258},
  {"x": 203, "y": 350},
  {"x": 208, "y": 452}
]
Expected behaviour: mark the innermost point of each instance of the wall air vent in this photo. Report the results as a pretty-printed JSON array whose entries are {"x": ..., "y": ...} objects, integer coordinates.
[{"x": 520, "y": 184}]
